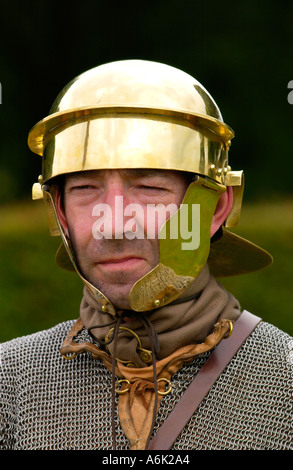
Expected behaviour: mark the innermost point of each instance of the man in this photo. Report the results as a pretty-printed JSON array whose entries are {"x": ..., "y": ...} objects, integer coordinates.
[{"x": 136, "y": 181}]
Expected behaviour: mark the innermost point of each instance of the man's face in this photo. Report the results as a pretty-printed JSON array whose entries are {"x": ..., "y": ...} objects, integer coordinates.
[{"x": 115, "y": 262}]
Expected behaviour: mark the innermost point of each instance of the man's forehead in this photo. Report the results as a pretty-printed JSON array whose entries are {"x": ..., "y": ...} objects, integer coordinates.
[{"x": 130, "y": 173}]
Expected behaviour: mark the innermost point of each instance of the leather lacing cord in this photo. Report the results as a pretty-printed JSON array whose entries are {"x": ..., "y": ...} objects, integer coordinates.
[{"x": 154, "y": 344}]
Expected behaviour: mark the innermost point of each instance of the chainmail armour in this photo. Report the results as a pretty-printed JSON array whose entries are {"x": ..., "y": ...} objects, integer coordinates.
[{"x": 50, "y": 403}]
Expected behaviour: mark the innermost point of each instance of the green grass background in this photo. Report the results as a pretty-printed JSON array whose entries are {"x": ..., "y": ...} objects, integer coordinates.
[{"x": 35, "y": 294}]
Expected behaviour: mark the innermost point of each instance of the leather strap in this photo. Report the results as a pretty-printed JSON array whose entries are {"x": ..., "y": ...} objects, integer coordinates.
[{"x": 203, "y": 381}]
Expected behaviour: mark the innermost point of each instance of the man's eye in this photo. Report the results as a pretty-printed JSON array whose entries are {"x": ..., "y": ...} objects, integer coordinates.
[
  {"x": 158, "y": 188},
  {"x": 83, "y": 186}
]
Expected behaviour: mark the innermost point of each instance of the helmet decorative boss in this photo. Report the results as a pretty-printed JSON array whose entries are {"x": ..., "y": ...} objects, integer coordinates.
[{"x": 140, "y": 114}]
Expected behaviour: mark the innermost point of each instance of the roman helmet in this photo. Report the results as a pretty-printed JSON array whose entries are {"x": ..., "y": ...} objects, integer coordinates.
[{"x": 142, "y": 114}]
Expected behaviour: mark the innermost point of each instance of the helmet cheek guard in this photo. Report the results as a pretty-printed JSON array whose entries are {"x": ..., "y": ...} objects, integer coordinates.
[
  {"x": 184, "y": 248},
  {"x": 140, "y": 114}
]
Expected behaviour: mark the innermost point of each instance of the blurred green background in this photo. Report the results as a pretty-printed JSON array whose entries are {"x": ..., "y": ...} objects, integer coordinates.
[{"x": 241, "y": 51}]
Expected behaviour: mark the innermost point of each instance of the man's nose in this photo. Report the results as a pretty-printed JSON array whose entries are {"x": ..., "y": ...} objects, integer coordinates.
[
  {"x": 116, "y": 198},
  {"x": 114, "y": 191}
]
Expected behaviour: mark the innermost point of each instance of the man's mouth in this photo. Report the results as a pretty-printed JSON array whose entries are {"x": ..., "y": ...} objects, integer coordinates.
[{"x": 125, "y": 262}]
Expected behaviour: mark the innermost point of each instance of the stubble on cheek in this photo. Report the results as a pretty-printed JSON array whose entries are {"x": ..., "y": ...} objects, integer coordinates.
[{"x": 115, "y": 284}]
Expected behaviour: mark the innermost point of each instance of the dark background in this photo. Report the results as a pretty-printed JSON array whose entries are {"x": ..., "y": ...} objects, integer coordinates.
[{"x": 242, "y": 52}]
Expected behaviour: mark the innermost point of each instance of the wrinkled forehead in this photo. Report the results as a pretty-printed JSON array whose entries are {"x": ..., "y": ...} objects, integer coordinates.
[{"x": 130, "y": 174}]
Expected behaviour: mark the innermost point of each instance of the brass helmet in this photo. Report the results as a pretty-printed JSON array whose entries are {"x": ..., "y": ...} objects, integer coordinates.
[{"x": 141, "y": 114}]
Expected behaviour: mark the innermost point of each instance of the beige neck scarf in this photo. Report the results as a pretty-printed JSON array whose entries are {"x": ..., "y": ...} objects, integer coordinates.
[
  {"x": 176, "y": 325},
  {"x": 184, "y": 329}
]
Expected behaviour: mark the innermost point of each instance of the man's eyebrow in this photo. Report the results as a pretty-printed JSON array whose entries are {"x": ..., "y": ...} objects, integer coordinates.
[
  {"x": 149, "y": 172},
  {"x": 144, "y": 172},
  {"x": 81, "y": 175}
]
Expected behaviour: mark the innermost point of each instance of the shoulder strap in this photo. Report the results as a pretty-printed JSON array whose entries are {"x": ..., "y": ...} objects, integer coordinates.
[{"x": 203, "y": 382}]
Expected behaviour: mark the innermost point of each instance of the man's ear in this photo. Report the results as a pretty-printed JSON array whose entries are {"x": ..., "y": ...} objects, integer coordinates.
[
  {"x": 61, "y": 211},
  {"x": 223, "y": 209}
]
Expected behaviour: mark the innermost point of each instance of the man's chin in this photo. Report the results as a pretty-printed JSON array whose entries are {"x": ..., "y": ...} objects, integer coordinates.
[
  {"x": 118, "y": 295},
  {"x": 117, "y": 286}
]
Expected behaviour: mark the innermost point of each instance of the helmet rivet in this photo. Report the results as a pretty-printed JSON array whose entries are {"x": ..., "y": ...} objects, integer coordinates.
[
  {"x": 104, "y": 308},
  {"x": 156, "y": 303}
]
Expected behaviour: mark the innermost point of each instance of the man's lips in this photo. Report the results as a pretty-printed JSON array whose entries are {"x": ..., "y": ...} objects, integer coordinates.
[{"x": 121, "y": 263}]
